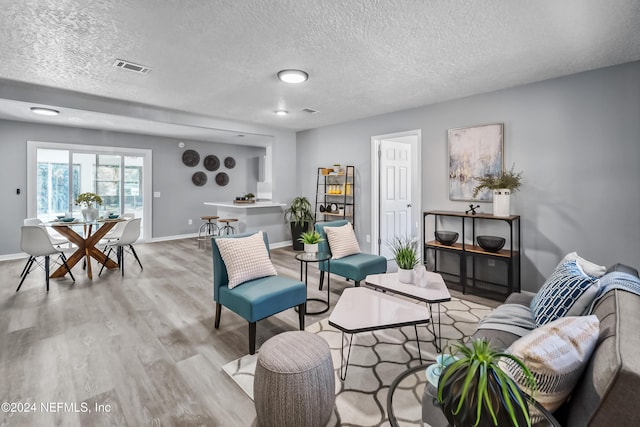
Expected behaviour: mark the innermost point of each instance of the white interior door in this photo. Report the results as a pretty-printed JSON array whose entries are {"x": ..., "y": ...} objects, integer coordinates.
[{"x": 395, "y": 193}]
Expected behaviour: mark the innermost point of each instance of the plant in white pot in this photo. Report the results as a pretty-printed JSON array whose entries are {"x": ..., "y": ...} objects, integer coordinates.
[
  {"x": 503, "y": 185},
  {"x": 310, "y": 239},
  {"x": 405, "y": 252},
  {"x": 89, "y": 201}
]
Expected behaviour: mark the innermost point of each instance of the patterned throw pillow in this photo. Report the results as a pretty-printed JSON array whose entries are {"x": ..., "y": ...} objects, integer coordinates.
[
  {"x": 557, "y": 354},
  {"x": 567, "y": 292},
  {"x": 342, "y": 241},
  {"x": 590, "y": 268},
  {"x": 246, "y": 258}
]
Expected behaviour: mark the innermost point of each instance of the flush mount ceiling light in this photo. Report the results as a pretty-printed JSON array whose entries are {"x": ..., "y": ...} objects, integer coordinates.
[
  {"x": 293, "y": 76},
  {"x": 45, "y": 111},
  {"x": 282, "y": 112}
]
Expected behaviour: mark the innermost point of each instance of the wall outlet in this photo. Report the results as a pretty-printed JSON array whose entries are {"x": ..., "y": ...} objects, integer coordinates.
[
  {"x": 156, "y": 194},
  {"x": 491, "y": 262},
  {"x": 368, "y": 238},
  {"x": 190, "y": 221}
]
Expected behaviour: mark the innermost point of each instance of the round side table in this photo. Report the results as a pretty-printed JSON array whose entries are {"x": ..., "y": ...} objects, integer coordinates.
[{"x": 305, "y": 258}]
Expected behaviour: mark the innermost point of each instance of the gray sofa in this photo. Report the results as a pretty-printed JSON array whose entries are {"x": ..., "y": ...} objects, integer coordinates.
[{"x": 608, "y": 393}]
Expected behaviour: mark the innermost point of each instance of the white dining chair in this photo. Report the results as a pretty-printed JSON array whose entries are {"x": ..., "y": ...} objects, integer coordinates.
[
  {"x": 129, "y": 236},
  {"x": 56, "y": 238},
  {"x": 116, "y": 232},
  {"x": 36, "y": 243}
]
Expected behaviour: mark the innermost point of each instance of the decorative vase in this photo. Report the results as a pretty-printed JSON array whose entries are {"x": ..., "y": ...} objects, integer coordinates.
[
  {"x": 501, "y": 202},
  {"x": 90, "y": 214},
  {"x": 311, "y": 248},
  {"x": 405, "y": 276}
]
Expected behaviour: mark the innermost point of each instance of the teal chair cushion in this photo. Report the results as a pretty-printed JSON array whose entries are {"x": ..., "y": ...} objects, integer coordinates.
[
  {"x": 260, "y": 298},
  {"x": 355, "y": 267}
]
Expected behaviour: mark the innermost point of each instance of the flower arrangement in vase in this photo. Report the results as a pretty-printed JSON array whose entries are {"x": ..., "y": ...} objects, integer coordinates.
[{"x": 89, "y": 201}]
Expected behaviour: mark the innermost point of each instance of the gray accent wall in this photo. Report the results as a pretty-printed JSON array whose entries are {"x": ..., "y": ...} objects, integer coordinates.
[
  {"x": 576, "y": 138},
  {"x": 180, "y": 199}
]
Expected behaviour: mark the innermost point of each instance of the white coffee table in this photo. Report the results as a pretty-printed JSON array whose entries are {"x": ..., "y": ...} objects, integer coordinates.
[
  {"x": 362, "y": 309},
  {"x": 433, "y": 291}
]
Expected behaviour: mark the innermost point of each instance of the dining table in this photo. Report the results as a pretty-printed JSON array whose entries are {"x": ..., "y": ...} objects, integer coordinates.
[{"x": 86, "y": 243}]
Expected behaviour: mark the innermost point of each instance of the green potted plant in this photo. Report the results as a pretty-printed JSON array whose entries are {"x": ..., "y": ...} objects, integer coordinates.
[
  {"x": 405, "y": 252},
  {"x": 475, "y": 391},
  {"x": 502, "y": 185},
  {"x": 300, "y": 216},
  {"x": 89, "y": 201},
  {"x": 250, "y": 197},
  {"x": 310, "y": 239}
]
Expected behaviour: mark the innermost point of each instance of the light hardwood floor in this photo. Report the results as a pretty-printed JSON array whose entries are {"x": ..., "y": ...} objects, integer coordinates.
[{"x": 143, "y": 346}]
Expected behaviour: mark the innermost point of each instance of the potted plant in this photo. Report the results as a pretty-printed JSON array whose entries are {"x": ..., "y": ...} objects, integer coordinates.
[
  {"x": 310, "y": 239},
  {"x": 250, "y": 197},
  {"x": 300, "y": 215},
  {"x": 405, "y": 252},
  {"x": 474, "y": 390},
  {"x": 502, "y": 185},
  {"x": 89, "y": 201}
]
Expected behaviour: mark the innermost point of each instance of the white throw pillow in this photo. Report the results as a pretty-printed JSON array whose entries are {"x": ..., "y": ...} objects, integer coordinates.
[
  {"x": 246, "y": 258},
  {"x": 590, "y": 268},
  {"x": 557, "y": 354},
  {"x": 342, "y": 241}
]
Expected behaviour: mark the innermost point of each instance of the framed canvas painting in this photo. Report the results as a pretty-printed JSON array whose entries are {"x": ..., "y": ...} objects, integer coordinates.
[{"x": 473, "y": 152}]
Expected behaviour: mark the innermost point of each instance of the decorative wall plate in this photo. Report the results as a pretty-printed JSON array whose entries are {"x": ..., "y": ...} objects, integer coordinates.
[
  {"x": 199, "y": 178},
  {"x": 211, "y": 163},
  {"x": 222, "y": 179},
  {"x": 190, "y": 158},
  {"x": 230, "y": 162}
]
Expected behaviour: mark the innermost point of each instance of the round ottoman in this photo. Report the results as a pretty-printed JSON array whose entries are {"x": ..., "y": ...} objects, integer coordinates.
[{"x": 294, "y": 383}]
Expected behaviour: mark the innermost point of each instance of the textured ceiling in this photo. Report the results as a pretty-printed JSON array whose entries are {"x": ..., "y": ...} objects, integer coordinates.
[{"x": 219, "y": 58}]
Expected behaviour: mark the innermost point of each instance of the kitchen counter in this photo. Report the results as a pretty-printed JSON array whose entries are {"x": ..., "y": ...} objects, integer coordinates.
[
  {"x": 256, "y": 205},
  {"x": 262, "y": 215}
]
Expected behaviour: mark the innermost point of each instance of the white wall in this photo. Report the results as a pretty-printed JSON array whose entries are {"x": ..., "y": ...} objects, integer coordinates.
[{"x": 576, "y": 138}]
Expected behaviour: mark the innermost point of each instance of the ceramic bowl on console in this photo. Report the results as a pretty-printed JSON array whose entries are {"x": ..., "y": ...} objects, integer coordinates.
[
  {"x": 491, "y": 243},
  {"x": 68, "y": 219},
  {"x": 446, "y": 238}
]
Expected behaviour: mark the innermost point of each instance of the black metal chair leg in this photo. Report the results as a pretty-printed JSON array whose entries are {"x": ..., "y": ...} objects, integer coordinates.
[
  {"x": 301, "y": 313},
  {"x": 64, "y": 261},
  {"x": 252, "y": 337},
  {"x": 46, "y": 270},
  {"x": 105, "y": 261},
  {"x": 24, "y": 270},
  {"x": 218, "y": 310},
  {"x": 26, "y": 273},
  {"x": 133, "y": 251},
  {"x": 121, "y": 249}
]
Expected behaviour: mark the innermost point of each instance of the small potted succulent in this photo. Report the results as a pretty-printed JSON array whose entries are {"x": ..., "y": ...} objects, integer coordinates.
[
  {"x": 474, "y": 391},
  {"x": 310, "y": 239},
  {"x": 502, "y": 186},
  {"x": 89, "y": 201},
  {"x": 405, "y": 252}
]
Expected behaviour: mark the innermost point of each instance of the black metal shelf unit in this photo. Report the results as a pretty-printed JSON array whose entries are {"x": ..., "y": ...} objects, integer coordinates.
[
  {"x": 511, "y": 255},
  {"x": 335, "y": 195}
]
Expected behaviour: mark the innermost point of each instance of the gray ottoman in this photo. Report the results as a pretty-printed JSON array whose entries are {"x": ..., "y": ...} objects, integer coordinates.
[{"x": 294, "y": 383}]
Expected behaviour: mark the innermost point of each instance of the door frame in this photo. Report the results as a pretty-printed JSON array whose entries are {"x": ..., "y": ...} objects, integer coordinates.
[
  {"x": 146, "y": 154},
  {"x": 416, "y": 184}
]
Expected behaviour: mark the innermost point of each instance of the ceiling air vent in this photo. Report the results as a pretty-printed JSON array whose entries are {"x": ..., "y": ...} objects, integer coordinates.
[
  {"x": 309, "y": 110},
  {"x": 136, "y": 68}
]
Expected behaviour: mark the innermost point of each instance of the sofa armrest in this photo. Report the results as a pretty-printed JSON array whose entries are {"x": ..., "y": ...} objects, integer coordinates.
[{"x": 522, "y": 298}]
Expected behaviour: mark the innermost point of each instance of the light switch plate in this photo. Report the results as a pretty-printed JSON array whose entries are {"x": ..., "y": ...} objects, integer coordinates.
[{"x": 156, "y": 194}]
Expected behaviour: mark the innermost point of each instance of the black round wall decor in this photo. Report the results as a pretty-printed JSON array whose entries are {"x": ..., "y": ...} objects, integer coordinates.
[
  {"x": 199, "y": 178},
  {"x": 222, "y": 179},
  {"x": 190, "y": 158},
  {"x": 211, "y": 163},
  {"x": 230, "y": 162}
]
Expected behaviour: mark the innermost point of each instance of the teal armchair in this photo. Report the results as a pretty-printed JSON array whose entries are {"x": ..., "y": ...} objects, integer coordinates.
[
  {"x": 256, "y": 299},
  {"x": 353, "y": 267}
]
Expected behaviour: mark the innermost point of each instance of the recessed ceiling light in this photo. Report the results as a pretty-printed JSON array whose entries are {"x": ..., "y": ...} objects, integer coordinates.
[
  {"x": 282, "y": 112},
  {"x": 293, "y": 76},
  {"x": 45, "y": 111}
]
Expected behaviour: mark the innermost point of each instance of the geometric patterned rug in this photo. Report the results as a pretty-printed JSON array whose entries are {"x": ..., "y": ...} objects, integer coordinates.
[{"x": 377, "y": 358}]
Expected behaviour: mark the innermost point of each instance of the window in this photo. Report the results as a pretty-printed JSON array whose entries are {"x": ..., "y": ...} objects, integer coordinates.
[{"x": 59, "y": 172}]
